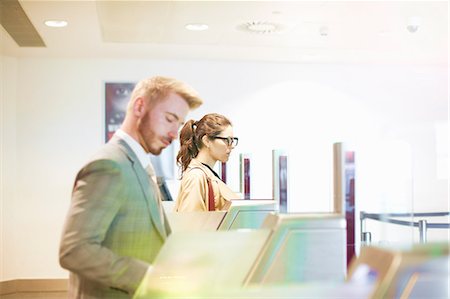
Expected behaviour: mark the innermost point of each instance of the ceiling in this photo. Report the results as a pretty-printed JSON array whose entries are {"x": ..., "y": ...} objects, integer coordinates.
[{"x": 310, "y": 31}]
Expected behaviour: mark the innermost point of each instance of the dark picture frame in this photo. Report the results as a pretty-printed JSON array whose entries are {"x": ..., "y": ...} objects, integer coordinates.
[{"x": 117, "y": 96}]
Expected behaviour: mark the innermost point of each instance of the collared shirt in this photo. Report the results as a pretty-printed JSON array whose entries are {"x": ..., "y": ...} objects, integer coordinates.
[{"x": 143, "y": 157}]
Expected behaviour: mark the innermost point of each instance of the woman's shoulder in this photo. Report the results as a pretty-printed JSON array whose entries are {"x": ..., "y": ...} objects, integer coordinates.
[
  {"x": 194, "y": 173},
  {"x": 196, "y": 168},
  {"x": 193, "y": 177}
]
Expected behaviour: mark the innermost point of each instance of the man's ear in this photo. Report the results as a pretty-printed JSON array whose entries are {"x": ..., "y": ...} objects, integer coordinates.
[{"x": 139, "y": 107}]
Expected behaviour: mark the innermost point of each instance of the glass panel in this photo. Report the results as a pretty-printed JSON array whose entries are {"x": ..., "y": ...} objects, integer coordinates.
[{"x": 385, "y": 187}]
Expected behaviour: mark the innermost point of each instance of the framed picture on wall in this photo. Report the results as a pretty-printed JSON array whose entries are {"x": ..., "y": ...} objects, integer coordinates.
[{"x": 116, "y": 100}]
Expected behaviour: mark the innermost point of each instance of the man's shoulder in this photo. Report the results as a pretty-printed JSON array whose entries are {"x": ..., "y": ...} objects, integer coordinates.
[
  {"x": 113, "y": 153},
  {"x": 109, "y": 150}
]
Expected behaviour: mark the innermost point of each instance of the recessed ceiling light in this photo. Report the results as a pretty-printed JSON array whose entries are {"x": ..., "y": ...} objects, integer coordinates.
[
  {"x": 384, "y": 32},
  {"x": 56, "y": 23},
  {"x": 196, "y": 27},
  {"x": 310, "y": 57}
]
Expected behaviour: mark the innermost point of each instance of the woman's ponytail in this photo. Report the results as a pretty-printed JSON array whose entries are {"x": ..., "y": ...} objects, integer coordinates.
[{"x": 188, "y": 145}]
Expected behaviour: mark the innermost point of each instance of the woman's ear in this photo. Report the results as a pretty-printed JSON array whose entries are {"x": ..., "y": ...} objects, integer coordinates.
[{"x": 206, "y": 141}]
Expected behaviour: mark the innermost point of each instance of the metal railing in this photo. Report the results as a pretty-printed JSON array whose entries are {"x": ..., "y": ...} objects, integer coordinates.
[{"x": 422, "y": 224}]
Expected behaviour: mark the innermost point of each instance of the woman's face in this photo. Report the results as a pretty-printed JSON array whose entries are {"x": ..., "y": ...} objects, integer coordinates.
[{"x": 219, "y": 149}]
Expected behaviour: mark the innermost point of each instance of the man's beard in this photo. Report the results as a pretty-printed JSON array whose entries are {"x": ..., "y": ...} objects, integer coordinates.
[{"x": 147, "y": 137}]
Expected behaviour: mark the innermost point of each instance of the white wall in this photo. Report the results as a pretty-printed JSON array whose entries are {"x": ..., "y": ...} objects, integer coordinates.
[
  {"x": 8, "y": 159},
  {"x": 52, "y": 121}
]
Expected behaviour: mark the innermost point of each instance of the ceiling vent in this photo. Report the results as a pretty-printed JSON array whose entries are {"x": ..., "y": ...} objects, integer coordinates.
[{"x": 261, "y": 27}]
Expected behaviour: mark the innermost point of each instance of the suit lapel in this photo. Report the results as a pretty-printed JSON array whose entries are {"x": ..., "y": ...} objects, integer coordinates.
[
  {"x": 144, "y": 182},
  {"x": 150, "y": 197}
]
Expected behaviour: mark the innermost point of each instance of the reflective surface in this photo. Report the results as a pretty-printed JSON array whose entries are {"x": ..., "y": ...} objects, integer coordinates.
[
  {"x": 195, "y": 262},
  {"x": 195, "y": 221},
  {"x": 303, "y": 248},
  {"x": 247, "y": 214}
]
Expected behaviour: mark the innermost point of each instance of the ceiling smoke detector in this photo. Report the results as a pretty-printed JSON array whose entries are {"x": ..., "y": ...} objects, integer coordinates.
[
  {"x": 323, "y": 30},
  {"x": 413, "y": 24},
  {"x": 261, "y": 27}
]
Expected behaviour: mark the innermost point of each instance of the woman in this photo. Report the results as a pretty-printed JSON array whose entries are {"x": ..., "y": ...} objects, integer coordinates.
[{"x": 202, "y": 144}]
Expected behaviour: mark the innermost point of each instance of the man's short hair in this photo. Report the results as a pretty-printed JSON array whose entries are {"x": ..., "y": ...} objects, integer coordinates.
[{"x": 158, "y": 88}]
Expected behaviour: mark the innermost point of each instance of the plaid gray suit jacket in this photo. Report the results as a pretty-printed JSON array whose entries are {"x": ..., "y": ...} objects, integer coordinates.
[{"x": 113, "y": 230}]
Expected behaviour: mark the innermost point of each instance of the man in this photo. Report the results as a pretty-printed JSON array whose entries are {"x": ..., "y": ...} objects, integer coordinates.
[{"x": 115, "y": 225}]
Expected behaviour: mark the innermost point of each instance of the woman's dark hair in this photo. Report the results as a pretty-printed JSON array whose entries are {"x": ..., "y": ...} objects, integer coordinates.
[{"x": 191, "y": 135}]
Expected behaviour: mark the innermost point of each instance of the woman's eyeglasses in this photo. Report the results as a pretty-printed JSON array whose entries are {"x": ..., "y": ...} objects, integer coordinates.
[{"x": 230, "y": 141}]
